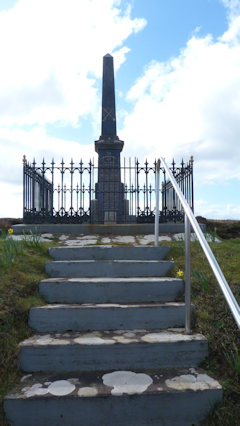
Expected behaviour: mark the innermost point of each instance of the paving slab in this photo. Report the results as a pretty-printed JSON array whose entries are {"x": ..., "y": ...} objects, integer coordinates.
[
  {"x": 63, "y": 237},
  {"x": 124, "y": 239},
  {"x": 40, "y": 238},
  {"x": 106, "y": 240},
  {"x": 164, "y": 238},
  {"x": 147, "y": 239},
  {"x": 80, "y": 242},
  {"x": 50, "y": 236},
  {"x": 87, "y": 237}
]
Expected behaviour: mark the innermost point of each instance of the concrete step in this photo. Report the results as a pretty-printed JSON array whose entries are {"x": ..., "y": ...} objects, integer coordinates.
[
  {"x": 110, "y": 290},
  {"x": 168, "y": 397},
  {"x": 107, "y": 317},
  {"x": 108, "y": 268},
  {"x": 109, "y": 253},
  {"x": 116, "y": 349},
  {"x": 97, "y": 229}
]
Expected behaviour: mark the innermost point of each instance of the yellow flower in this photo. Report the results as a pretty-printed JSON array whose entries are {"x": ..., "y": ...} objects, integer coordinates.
[
  {"x": 10, "y": 231},
  {"x": 180, "y": 273}
]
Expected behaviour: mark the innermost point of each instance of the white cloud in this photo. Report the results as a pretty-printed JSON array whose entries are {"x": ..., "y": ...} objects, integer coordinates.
[
  {"x": 34, "y": 144},
  {"x": 11, "y": 200},
  {"x": 217, "y": 211},
  {"x": 51, "y": 59},
  {"x": 190, "y": 105},
  {"x": 51, "y": 54},
  {"x": 233, "y": 7}
]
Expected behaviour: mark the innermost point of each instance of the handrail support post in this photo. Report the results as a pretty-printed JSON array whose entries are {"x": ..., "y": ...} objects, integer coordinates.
[
  {"x": 187, "y": 276},
  {"x": 157, "y": 202},
  {"x": 232, "y": 302}
]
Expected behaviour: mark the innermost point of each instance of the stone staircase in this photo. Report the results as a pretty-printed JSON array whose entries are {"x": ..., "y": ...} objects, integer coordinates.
[{"x": 110, "y": 347}]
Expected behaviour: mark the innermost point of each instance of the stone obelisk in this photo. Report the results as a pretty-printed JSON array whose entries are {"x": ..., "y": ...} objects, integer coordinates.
[{"x": 110, "y": 206}]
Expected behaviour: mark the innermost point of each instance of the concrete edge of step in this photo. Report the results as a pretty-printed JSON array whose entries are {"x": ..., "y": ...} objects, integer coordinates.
[{"x": 109, "y": 337}]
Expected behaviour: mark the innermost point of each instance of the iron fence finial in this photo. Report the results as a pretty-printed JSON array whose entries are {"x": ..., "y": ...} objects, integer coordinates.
[
  {"x": 191, "y": 161},
  {"x": 24, "y": 160}
]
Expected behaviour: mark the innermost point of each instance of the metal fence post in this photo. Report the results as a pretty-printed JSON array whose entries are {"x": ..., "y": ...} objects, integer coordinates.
[
  {"x": 24, "y": 185},
  {"x": 157, "y": 203},
  {"x": 187, "y": 276}
]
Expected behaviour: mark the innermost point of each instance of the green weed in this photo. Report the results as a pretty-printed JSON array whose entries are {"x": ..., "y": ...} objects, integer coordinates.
[
  {"x": 201, "y": 277},
  {"x": 3, "y": 235},
  {"x": 32, "y": 239},
  {"x": 10, "y": 247},
  {"x": 211, "y": 234},
  {"x": 233, "y": 358},
  {"x": 9, "y": 250},
  {"x": 99, "y": 240}
]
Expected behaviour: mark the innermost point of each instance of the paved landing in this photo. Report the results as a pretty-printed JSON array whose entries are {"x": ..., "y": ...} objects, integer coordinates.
[{"x": 88, "y": 240}]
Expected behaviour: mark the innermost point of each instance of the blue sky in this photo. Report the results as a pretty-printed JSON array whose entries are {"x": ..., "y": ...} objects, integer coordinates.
[
  {"x": 170, "y": 25},
  {"x": 177, "y": 66}
]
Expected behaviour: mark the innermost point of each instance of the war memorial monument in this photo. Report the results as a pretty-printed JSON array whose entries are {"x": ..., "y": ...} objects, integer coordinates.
[{"x": 115, "y": 191}]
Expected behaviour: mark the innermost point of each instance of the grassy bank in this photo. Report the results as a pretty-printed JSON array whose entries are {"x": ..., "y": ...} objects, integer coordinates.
[
  {"x": 19, "y": 291},
  {"x": 214, "y": 320}
]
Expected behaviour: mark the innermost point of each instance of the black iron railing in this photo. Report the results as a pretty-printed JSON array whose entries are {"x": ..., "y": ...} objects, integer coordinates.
[
  {"x": 69, "y": 193},
  {"x": 171, "y": 205},
  {"x": 37, "y": 190}
]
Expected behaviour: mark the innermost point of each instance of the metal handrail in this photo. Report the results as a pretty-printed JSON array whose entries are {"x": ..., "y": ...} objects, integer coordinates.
[{"x": 189, "y": 217}]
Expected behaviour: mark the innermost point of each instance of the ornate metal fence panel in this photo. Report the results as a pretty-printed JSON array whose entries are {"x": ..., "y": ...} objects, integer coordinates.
[
  {"x": 37, "y": 192},
  {"x": 72, "y": 193},
  {"x": 171, "y": 205}
]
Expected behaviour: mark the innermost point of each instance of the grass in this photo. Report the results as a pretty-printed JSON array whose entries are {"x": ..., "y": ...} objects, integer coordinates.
[
  {"x": 19, "y": 292},
  {"x": 214, "y": 320}
]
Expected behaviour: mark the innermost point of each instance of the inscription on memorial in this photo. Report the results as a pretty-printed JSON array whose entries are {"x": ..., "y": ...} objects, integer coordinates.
[{"x": 108, "y": 114}]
